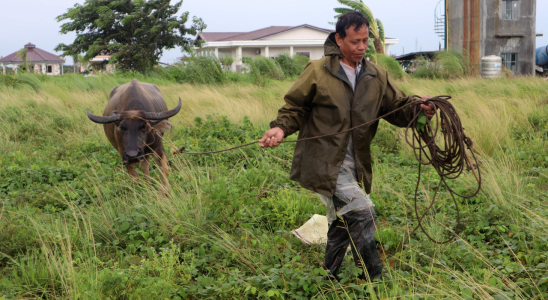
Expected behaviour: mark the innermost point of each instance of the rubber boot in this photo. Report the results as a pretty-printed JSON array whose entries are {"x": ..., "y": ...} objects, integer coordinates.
[{"x": 356, "y": 228}]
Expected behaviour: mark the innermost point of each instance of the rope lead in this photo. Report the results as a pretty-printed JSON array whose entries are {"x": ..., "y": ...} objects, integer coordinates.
[{"x": 449, "y": 161}]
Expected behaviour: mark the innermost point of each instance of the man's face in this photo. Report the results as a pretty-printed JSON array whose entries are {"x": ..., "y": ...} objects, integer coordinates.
[{"x": 354, "y": 44}]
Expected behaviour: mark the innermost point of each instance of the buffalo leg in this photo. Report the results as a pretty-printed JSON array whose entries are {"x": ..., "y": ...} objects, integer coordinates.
[
  {"x": 164, "y": 171},
  {"x": 145, "y": 168},
  {"x": 133, "y": 173}
]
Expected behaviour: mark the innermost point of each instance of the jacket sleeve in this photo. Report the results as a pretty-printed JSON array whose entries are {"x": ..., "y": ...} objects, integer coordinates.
[
  {"x": 392, "y": 99},
  {"x": 298, "y": 103}
]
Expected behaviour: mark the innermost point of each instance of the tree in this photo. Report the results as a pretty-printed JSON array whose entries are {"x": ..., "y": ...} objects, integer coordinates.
[
  {"x": 376, "y": 28},
  {"x": 135, "y": 31},
  {"x": 22, "y": 54},
  {"x": 79, "y": 61}
]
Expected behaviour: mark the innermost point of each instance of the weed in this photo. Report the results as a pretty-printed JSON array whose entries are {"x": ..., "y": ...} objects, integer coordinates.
[{"x": 74, "y": 226}]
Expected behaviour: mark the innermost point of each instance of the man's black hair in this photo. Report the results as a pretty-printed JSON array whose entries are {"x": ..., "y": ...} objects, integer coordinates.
[{"x": 347, "y": 20}]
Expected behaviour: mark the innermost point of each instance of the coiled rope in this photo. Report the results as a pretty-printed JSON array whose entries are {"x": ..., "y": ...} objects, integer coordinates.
[{"x": 449, "y": 160}]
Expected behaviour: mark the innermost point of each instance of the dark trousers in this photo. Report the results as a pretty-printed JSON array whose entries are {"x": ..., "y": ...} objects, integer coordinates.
[{"x": 357, "y": 228}]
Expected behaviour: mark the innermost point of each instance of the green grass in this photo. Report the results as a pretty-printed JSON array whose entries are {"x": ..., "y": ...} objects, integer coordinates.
[{"x": 74, "y": 226}]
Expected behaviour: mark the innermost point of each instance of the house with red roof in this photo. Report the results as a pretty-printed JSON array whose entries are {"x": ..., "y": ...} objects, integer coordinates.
[
  {"x": 269, "y": 42},
  {"x": 38, "y": 61}
]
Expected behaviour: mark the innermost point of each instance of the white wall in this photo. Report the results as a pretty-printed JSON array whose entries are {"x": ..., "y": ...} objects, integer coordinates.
[
  {"x": 41, "y": 68},
  {"x": 250, "y": 52},
  {"x": 303, "y": 33},
  {"x": 315, "y": 52}
]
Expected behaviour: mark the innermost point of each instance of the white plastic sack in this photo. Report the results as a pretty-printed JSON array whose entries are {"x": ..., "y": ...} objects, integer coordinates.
[{"x": 314, "y": 231}]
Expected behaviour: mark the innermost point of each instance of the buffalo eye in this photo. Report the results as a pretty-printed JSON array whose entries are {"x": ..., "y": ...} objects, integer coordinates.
[
  {"x": 142, "y": 127},
  {"x": 123, "y": 127}
]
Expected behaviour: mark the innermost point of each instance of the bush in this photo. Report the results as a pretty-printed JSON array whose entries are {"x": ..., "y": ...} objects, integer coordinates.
[
  {"x": 260, "y": 69},
  {"x": 446, "y": 64},
  {"x": 391, "y": 65},
  {"x": 292, "y": 66},
  {"x": 453, "y": 64},
  {"x": 200, "y": 69},
  {"x": 197, "y": 69},
  {"x": 226, "y": 61}
]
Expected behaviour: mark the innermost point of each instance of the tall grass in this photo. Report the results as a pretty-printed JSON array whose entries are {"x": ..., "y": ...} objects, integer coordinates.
[
  {"x": 391, "y": 65},
  {"x": 445, "y": 65},
  {"x": 195, "y": 70},
  {"x": 97, "y": 235}
]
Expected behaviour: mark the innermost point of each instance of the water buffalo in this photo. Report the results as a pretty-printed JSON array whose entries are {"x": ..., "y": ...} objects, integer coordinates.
[{"x": 135, "y": 115}]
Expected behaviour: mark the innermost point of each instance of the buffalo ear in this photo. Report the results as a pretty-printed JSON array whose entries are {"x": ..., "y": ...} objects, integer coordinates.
[{"x": 162, "y": 126}]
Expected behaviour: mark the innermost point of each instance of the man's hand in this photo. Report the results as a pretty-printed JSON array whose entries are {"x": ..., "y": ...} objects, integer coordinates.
[
  {"x": 429, "y": 109},
  {"x": 272, "y": 138}
]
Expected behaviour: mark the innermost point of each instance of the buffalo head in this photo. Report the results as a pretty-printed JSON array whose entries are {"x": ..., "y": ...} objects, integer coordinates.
[{"x": 132, "y": 129}]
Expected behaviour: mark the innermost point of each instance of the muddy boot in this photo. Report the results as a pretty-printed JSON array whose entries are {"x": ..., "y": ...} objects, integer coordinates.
[{"x": 361, "y": 226}]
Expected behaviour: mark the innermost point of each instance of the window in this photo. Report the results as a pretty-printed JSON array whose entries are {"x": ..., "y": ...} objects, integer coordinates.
[
  {"x": 510, "y": 9},
  {"x": 509, "y": 60},
  {"x": 307, "y": 54},
  {"x": 49, "y": 69}
]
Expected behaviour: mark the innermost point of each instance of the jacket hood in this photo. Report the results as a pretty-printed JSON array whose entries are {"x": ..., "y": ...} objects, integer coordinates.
[{"x": 330, "y": 46}]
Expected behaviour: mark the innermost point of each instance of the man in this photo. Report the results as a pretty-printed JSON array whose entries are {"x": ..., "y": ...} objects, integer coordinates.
[{"x": 335, "y": 93}]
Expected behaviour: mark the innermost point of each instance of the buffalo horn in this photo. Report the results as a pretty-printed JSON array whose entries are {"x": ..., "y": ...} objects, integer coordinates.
[
  {"x": 103, "y": 120},
  {"x": 163, "y": 115}
]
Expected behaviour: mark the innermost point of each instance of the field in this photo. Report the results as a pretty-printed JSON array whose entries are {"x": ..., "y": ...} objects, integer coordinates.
[{"x": 74, "y": 226}]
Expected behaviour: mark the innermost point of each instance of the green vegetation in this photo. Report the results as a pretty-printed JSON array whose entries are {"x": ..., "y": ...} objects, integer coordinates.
[
  {"x": 198, "y": 69},
  {"x": 135, "y": 32},
  {"x": 73, "y": 225},
  {"x": 446, "y": 65},
  {"x": 390, "y": 64}
]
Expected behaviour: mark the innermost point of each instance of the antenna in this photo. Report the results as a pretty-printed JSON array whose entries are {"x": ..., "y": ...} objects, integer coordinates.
[{"x": 439, "y": 20}]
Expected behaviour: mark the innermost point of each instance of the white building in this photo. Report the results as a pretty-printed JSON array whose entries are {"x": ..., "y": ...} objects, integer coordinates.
[
  {"x": 269, "y": 42},
  {"x": 38, "y": 61},
  {"x": 100, "y": 63}
]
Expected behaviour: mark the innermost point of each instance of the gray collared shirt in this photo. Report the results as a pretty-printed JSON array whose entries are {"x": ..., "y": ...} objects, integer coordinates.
[{"x": 352, "y": 75}]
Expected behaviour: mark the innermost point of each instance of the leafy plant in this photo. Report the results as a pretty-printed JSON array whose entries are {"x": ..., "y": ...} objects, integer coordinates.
[
  {"x": 136, "y": 32},
  {"x": 391, "y": 65},
  {"x": 292, "y": 66}
]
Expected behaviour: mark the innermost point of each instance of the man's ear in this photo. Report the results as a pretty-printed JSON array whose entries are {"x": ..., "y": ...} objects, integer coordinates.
[{"x": 338, "y": 39}]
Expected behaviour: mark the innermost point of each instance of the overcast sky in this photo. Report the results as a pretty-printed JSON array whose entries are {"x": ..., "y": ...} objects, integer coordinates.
[{"x": 410, "y": 21}]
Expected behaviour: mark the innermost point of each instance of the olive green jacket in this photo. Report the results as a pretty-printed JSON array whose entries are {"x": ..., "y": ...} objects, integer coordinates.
[{"x": 322, "y": 101}]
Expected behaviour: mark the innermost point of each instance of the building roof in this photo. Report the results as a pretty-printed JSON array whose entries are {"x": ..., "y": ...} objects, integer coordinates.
[
  {"x": 414, "y": 55},
  {"x": 252, "y": 35},
  {"x": 34, "y": 55},
  {"x": 217, "y": 36}
]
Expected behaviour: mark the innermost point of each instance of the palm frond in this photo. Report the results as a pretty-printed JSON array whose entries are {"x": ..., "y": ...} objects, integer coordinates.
[
  {"x": 342, "y": 10},
  {"x": 359, "y": 6},
  {"x": 364, "y": 9},
  {"x": 371, "y": 46},
  {"x": 381, "y": 30},
  {"x": 370, "y": 53}
]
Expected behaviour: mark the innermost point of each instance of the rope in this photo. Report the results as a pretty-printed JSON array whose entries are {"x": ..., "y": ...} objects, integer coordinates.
[
  {"x": 449, "y": 161},
  {"x": 415, "y": 102}
]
